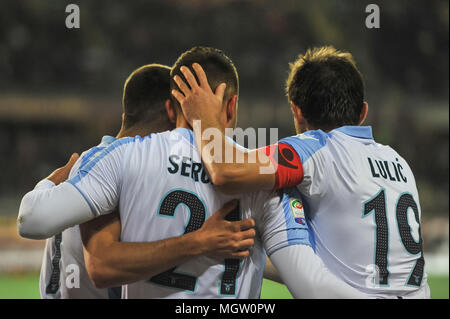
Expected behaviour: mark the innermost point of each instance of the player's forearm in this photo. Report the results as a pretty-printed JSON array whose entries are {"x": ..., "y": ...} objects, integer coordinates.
[
  {"x": 238, "y": 178},
  {"x": 119, "y": 263},
  {"x": 48, "y": 210},
  {"x": 306, "y": 276},
  {"x": 232, "y": 169}
]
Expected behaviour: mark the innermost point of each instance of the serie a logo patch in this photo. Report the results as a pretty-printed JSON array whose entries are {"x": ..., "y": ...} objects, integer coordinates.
[{"x": 297, "y": 211}]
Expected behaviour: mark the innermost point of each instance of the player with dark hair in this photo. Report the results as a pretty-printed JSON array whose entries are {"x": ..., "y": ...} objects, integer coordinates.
[
  {"x": 220, "y": 69},
  {"x": 144, "y": 99},
  {"x": 329, "y": 88},
  {"x": 360, "y": 197},
  {"x": 68, "y": 273}
]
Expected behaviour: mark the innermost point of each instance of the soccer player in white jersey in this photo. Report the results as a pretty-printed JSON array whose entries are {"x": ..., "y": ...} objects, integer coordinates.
[
  {"x": 360, "y": 197},
  {"x": 145, "y": 93},
  {"x": 162, "y": 190},
  {"x": 63, "y": 255}
]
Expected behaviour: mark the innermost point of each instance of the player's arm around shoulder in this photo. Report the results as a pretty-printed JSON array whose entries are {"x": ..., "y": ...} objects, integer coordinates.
[
  {"x": 236, "y": 178},
  {"x": 204, "y": 110},
  {"x": 93, "y": 191},
  {"x": 52, "y": 206}
]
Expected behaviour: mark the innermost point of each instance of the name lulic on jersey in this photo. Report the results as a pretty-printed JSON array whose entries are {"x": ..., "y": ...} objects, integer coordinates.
[{"x": 388, "y": 170}]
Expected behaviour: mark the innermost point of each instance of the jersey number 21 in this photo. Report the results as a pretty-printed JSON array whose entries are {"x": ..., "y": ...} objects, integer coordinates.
[{"x": 197, "y": 210}]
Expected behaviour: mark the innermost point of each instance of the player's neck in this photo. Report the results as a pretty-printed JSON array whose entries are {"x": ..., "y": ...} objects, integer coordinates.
[
  {"x": 182, "y": 123},
  {"x": 133, "y": 131}
]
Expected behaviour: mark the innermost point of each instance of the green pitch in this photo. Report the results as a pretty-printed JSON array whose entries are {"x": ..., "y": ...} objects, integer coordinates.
[
  {"x": 273, "y": 290},
  {"x": 27, "y": 286}
]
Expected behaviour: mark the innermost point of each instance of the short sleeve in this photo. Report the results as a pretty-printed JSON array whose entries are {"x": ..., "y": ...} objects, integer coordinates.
[
  {"x": 283, "y": 222},
  {"x": 309, "y": 146},
  {"x": 99, "y": 179}
]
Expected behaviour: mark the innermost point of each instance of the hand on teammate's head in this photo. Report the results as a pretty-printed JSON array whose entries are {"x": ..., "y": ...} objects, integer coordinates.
[{"x": 197, "y": 100}]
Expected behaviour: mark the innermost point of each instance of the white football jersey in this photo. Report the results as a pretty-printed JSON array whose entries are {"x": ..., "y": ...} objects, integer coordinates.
[
  {"x": 163, "y": 191},
  {"x": 63, "y": 271},
  {"x": 362, "y": 204}
]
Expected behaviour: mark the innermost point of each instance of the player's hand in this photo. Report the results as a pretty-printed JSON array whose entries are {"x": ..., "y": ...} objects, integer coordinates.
[
  {"x": 61, "y": 174},
  {"x": 224, "y": 239},
  {"x": 197, "y": 100}
]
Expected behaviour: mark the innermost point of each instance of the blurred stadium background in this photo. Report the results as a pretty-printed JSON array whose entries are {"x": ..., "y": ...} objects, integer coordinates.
[{"x": 60, "y": 90}]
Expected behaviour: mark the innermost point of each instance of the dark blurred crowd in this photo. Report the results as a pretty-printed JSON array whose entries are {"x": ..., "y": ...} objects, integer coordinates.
[{"x": 404, "y": 63}]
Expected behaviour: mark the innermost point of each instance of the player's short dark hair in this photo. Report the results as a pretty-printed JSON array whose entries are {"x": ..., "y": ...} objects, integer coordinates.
[
  {"x": 327, "y": 87},
  {"x": 218, "y": 68},
  {"x": 144, "y": 94}
]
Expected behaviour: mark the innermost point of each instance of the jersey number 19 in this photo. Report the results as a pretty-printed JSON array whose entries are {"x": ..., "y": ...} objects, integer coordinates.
[{"x": 405, "y": 201}]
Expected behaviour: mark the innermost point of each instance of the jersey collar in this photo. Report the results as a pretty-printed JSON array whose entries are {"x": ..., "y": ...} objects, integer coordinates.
[
  {"x": 108, "y": 139},
  {"x": 186, "y": 133},
  {"x": 356, "y": 131}
]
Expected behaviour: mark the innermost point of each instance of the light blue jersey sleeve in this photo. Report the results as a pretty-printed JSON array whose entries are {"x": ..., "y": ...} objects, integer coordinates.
[
  {"x": 283, "y": 222},
  {"x": 307, "y": 144},
  {"x": 89, "y": 154},
  {"x": 310, "y": 146},
  {"x": 99, "y": 177}
]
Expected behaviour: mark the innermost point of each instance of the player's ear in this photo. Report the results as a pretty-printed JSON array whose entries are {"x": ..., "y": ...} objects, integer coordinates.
[
  {"x": 231, "y": 111},
  {"x": 364, "y": 111},
  {"x": 297, "y": 113},
  {"x": 301, "y": 125},
  {"x": 171, "y": 113}
]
